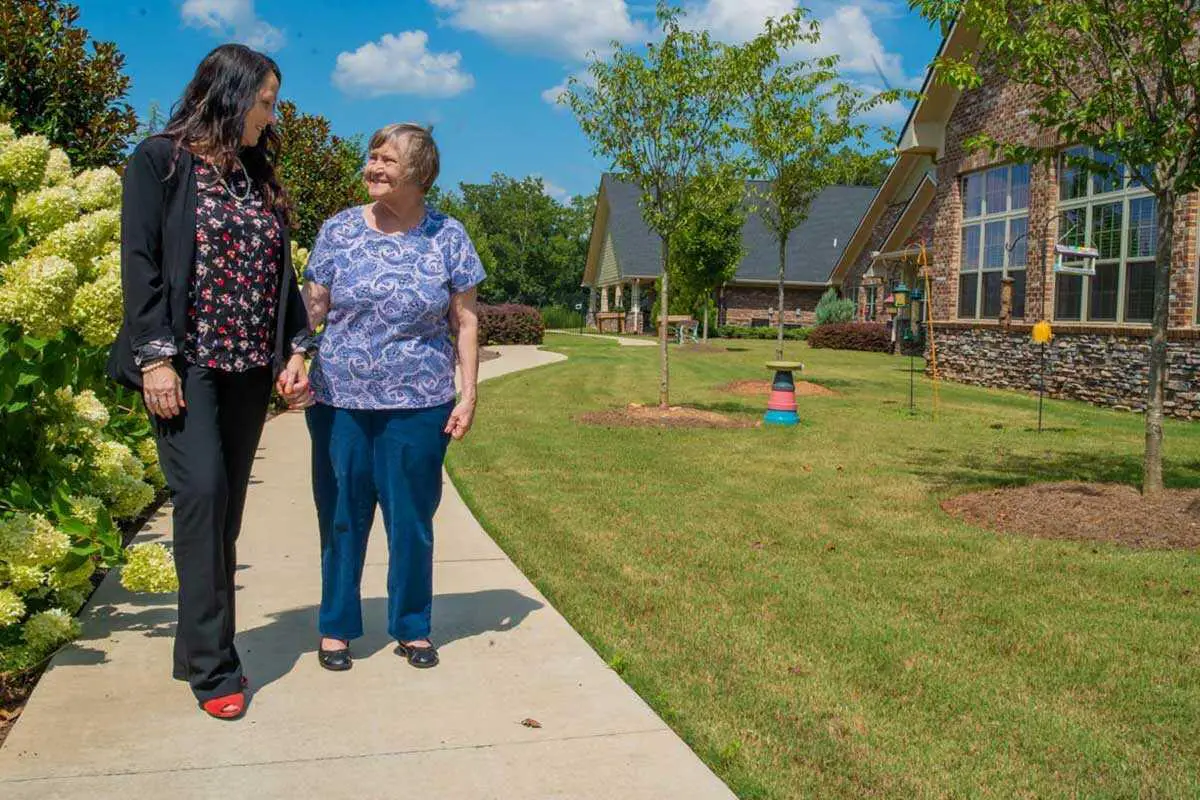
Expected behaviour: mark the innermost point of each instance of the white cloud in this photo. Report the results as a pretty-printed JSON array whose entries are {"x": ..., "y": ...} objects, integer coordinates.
[
  {"x": 846, "y": 29},
  {"x": 401, "y": 64},
  {"x": 893, "y": 114},
  {"x": 554, "y": 94},
  {"x": 556, "y": 192},
  {"x": 235, "y": 19},
  {"x": 565, "y": 28}
]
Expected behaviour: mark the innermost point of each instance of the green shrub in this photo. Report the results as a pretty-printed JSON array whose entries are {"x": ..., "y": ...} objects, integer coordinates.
[
  {"x": 510, "y": 324},
  {"x": 75, "y": 454},
  {"x": 832, "y": 310},
  {"x": 767, "y": 334},
  {"x": 561, "y": 318},
  {"x": 870, "y": 337}
]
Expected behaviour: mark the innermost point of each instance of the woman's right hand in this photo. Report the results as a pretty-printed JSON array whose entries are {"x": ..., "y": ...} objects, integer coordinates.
[{"x": 162, "y": 392}]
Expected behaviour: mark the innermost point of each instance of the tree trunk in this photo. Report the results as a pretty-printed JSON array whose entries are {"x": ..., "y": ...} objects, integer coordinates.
[
  {"x": 1152, "y": 476},
  {"x": 706, "y": 320},
  {"x": 782, "y": 272},
  {"x": 664, "y": 311}
]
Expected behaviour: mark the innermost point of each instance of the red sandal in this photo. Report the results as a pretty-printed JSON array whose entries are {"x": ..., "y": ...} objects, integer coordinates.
[{"x": 230, "y": 706}]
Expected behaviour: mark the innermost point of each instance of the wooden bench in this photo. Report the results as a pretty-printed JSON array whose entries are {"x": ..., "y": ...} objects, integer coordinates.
[
  {"x": 610, "y": 316},
  {"x": 684, "y": 327}
]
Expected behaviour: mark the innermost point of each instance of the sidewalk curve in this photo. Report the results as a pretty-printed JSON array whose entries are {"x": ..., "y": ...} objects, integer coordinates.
[{"x": 107, "y": 721}]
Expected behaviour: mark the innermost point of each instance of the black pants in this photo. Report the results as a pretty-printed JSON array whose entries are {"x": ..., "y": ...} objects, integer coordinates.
[{"x": 207, "y": 453}]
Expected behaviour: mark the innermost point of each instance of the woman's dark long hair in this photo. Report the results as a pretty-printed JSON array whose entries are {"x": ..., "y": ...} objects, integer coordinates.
[{"x": 212, "y": 114}]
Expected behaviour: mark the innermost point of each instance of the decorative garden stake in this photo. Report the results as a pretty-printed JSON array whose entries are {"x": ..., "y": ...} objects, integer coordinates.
[
  {"x": 1042, "y": 334},
  {"x": 781, "y": 408}
]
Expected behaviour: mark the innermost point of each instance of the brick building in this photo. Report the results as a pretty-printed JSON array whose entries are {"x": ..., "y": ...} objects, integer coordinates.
[
  {"x": 625, "y": 257},
  {"x": 986, "y": 229}
]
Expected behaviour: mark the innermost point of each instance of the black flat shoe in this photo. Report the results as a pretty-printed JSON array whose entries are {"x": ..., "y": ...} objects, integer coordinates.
[
  {"x": 335, "y": 660},
  {"x": 420, "y": 657}
]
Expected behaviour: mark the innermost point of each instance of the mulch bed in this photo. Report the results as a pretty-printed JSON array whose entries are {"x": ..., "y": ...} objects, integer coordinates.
[
  {"x": 640, "y": 416},
  {"x": 763, "y": 388},
  {"x": 1097, "y": 512}
]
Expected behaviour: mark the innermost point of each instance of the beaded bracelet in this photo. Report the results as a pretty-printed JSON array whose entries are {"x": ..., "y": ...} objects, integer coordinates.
[{"x": 152, "y": 366}]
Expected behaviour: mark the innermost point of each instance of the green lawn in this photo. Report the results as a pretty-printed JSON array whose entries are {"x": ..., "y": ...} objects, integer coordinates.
[{"x": 796, "y": 605}]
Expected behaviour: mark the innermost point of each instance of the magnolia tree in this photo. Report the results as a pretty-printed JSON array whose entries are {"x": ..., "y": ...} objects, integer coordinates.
[
  {"x": 662, "y": 119},
  {"x": 72, "y": 462},
  {"x": 1119, "y": 76},
  {"x": 799, "y": 118}
]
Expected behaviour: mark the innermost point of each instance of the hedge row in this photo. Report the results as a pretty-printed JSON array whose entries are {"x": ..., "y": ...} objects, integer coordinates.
[
  {"x": 744, "y": 332},
  {"x": 866, "y": 336},
  {"x": 510, "y": 324}
]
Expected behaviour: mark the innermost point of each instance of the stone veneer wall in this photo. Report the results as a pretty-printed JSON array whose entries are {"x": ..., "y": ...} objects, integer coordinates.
[{"x": 1103, "y": 368}]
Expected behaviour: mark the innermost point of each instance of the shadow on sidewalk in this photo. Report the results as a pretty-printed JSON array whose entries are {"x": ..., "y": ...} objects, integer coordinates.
[{"x": 270, "y": 651}]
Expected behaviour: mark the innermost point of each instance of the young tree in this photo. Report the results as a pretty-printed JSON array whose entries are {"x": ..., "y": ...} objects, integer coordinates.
[
  {"x": 1120, "y": 76},
  {"x": 662, "y": 118},
  {"x": 709, "y": 245},
  {"x": 56, "y": 87},
  {"x": 321, "y": 172},
  {"x": 798, "y": 117}
]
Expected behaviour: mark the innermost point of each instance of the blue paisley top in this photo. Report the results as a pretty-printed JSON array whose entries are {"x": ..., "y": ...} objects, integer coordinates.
[{"x": 386, "y": 342}]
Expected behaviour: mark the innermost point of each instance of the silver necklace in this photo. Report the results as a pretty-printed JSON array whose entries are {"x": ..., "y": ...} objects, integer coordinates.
[{"x": 236, "y": 197}]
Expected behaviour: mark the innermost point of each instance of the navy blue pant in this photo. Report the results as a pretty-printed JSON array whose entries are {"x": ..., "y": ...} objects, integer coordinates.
[{"x": 389, "y": 458}]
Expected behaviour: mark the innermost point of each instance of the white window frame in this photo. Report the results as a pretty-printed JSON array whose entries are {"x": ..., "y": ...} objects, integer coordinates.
[
  {"x": 1125, "y": 194},
  {"x": 986, "y": 217}
]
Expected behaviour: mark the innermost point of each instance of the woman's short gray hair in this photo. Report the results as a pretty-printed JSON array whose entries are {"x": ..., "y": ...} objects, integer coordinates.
[{"x": 424, "y": 162}]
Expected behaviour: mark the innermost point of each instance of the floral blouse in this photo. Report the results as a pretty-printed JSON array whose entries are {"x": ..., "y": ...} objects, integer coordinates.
[{"x": 234, "y": 296}]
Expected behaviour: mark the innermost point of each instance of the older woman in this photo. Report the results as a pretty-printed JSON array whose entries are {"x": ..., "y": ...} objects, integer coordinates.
[{"x": 391, "y": 281}]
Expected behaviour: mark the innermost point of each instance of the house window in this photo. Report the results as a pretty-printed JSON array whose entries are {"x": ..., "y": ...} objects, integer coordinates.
[
  {"x": 995, "y": 241},
  {"x": 1117, "y": 215},
  {"x": 872, "y": 297}
]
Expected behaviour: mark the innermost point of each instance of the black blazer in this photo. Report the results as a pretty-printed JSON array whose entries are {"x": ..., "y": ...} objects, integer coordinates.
[{"x": 158, "y": 250}]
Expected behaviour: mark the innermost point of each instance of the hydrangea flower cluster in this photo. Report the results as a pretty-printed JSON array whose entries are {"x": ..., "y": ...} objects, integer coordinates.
[
  {"x": 96, "y": 311},
  {"x": 36, "y": 293},
  {"x": 49, "y": 629},
  {"x": 98, "y": 188},
  {"x": 147, "y": 451},
  {"x": 86, "y": 509},
  {"x": 12, "y": 608},
  {"x": 82, "y": 240},
  {"x": 150, "y": 568},
  {"x": 23, "y": 162},
  {"x": 58, "y": 168},
  {"x": 30, "y": 540},
  {"x": 46, "y": 210}
]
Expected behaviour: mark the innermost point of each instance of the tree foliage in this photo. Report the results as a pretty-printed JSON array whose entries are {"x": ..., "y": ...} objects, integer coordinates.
[
  {"x": 662, "y": 118},
  {"x": 1119, "y": 76},
  {"x": 536, "y": 246},
  {"x": 709, "y": 246},
  {"x": 800, "y": 123},
  {"x": 61, "y": 84},
  {"x": 321, "y": 172}
]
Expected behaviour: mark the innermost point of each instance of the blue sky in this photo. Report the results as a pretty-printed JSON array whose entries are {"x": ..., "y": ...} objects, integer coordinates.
[{"x": 484, "y": 72}]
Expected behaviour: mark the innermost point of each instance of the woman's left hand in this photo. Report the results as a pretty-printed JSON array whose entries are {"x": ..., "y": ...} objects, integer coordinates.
[
  {"x": 460, "y": 419},
  {"x": 293, "y": 382}
]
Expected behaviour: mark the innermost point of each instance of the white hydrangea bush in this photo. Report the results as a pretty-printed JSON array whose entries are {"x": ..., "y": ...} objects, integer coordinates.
[{"x": 60, "y": 293}]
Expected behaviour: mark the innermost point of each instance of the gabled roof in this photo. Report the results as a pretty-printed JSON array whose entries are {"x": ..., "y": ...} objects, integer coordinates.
[
  {"x": 813, "y": 248},
  {"x": 923, "y": 139}
]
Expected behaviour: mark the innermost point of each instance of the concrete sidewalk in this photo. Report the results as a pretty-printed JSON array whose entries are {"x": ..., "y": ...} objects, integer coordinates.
[
  {"x": 624, "y": 341},
  {"x": 107, "y": 721}
]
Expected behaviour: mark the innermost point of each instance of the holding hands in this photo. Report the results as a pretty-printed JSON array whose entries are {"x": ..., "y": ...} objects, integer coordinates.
[{"x": 292, "y": 383}]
